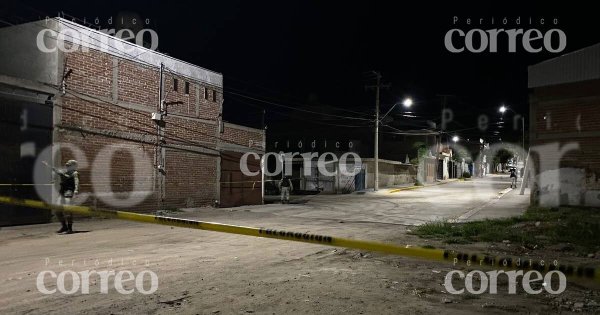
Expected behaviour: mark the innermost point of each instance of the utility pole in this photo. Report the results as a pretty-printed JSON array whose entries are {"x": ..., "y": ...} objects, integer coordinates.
[
  {"x": 377, "y": 87},
  {"x": 523, "y": 127},
  {"x": 159, "y": 154},
  {"x": 440, "y": 155}
]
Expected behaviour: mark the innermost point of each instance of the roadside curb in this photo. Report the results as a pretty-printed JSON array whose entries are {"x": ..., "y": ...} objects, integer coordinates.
[{"x": 465, "y": 216}]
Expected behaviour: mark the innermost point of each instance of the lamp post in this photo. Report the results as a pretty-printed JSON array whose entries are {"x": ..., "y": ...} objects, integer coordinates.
[
  {"x": 407, "y": 102},
  {"x": 502, "y": 110}
]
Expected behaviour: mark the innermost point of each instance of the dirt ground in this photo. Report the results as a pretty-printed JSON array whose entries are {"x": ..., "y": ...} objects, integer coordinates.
[{"x": 203, "y": 272}]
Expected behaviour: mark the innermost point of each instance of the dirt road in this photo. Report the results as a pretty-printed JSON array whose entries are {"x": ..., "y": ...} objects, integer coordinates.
[{"x": 203, "y": 272}]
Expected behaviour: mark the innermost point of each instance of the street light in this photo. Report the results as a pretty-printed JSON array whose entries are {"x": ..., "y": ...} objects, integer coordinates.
[
  {"x": 504, "y": 109},
  {"x": 455, "y": 138},
  {"x": 407, "y": 102}
]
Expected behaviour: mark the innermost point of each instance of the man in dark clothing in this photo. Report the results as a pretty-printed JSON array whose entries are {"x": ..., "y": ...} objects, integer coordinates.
[
  {"x": 69, "y": 187},
  {"x": 285, "y": 185},
  {"x": 513, "y": 177}
]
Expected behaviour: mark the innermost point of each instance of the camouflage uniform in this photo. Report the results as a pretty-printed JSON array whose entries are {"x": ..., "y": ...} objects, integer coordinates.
[
  {"x": 69, "y": 186},
  {"x": 285, "y": 185}
]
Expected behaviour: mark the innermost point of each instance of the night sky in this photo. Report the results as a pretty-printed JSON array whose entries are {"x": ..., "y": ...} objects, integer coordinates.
[{"x": 317, "y": 56}]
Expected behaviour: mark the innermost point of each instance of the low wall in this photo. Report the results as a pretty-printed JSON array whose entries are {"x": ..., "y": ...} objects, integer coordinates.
[{"x": 391, "y": 173}]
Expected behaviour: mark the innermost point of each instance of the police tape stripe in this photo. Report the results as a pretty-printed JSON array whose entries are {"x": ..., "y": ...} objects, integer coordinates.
[
  {"x": 26, "y": 184},
  {"x": 50, "y": 184},
  {"x": 456, "y": 257}
]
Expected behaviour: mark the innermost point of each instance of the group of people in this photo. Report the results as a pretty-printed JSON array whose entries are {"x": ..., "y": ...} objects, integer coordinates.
[{"x": 69, "y": 187}]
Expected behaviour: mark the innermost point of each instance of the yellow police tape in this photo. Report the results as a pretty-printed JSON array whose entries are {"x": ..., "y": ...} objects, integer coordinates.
[{"x": 468, "y": 259}]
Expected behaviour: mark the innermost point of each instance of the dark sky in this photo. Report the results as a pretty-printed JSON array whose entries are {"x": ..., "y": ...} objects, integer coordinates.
[{"x": 314, "y": 54}]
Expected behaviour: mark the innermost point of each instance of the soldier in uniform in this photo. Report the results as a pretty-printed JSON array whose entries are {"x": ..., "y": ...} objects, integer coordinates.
[
  {"x": 69, "y": 187},
  {"x": 285, "y": 185}
]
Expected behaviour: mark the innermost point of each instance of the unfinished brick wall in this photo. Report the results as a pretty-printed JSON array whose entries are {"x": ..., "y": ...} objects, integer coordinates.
[{"x": 109, "y": 102}]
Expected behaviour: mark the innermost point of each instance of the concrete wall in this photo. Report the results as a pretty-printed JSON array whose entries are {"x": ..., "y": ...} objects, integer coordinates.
[
  {"x": 21, "y": 56},
  {"x": 391, "y": 173}
]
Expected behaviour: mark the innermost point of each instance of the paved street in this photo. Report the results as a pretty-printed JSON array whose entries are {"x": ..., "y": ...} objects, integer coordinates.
[{"x": 475, "y": 199}]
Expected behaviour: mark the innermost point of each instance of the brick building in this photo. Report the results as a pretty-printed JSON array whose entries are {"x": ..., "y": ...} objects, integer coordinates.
[
  {"x": 94, "y": 101},
  {"x": 565, "y": 128}
]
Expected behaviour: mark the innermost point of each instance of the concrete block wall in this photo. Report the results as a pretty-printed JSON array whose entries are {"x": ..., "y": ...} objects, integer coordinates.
[{"x": 391, "y": 173}]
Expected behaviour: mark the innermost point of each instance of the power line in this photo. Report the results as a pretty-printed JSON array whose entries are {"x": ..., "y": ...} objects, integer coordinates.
[
  {"x": 172, "y": 137},
  {"x": 412, "y": 132},
  {"x": 98, "y": 101},
  {"x": 144, "y": 123},
  {"x": 303, "y": 119},
  {"x": 229, "y": 77},
  {"x": 296, "y": 109}
]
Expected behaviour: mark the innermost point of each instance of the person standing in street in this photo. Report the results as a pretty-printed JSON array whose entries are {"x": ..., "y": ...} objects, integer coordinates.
[
  {"x": 69, "y": 187},
  {"x": 513, "y": 177},
  {"x": 285, "y": 186}
]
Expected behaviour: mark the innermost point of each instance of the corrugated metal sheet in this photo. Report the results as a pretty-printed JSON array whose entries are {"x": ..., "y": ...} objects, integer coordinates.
[{"x": 581, "y": 65}]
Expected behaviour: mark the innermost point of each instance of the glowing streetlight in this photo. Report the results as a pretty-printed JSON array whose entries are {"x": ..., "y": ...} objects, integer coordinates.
[
  {"x": 407, "y": 102},
  {"x": 455, "y": 138},
  {"x": 504, "y": 109}
]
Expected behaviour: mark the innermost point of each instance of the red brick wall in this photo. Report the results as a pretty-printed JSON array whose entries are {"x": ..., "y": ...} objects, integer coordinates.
[
  {"x": 191, "y": 180},
  {"x": 138, "y": 83},
  {"x": 207, "y": 109},
  {"x": 92, "y": 72},
  {"x": 242, "y": 136},
  {"x": 565, "y": 114},
  {"x": 563, "y": 104},
  {"x": 118, "y": 177},
  {"x": 191, "y": 177}
]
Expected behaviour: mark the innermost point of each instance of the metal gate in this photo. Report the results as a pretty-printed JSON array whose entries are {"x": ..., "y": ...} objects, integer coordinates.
[
  {"x": 26, "y": 129},
  {"x": 430, "y": 169},
  {"x": 359, "y": 180},
  {"x": 237, "y": 189}
]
